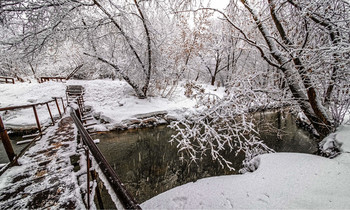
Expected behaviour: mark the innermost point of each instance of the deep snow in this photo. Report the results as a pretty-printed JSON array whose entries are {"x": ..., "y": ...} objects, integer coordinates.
[
  {"x": 112, "y": 101},
  {"x": 283, "y": 180}
]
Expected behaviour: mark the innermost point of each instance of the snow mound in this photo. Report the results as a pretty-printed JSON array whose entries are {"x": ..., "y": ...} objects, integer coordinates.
[{"x": 283, "y": 180}]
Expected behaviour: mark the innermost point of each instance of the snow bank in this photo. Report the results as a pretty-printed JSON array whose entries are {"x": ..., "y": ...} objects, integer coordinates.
[
  {"x": 27, "y": 93},
  {"x": 283, "y": 180},
  {"x": 112, "y": 101}
]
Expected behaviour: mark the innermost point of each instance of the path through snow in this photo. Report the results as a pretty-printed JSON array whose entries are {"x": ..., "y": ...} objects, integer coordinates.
[{"x": 45, "y": 177}]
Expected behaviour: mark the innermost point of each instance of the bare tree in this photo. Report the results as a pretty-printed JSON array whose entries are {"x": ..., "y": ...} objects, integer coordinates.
[
  {"x": 292, "y": 55},
  {"x": 281, "y": 52},
  {"x": 222, "y": 124},
  {"x": 43, "y": 23}
]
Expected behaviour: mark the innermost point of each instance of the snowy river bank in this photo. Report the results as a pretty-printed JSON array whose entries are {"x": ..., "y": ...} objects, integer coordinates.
[{"x": 283, "y": 180}]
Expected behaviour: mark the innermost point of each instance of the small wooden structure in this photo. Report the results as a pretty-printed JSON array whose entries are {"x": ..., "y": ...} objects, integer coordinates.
[
  {"x": 45, "y": 79},
  {"x": 7, "y": 79},
  {"x": 75, "y": 94}
]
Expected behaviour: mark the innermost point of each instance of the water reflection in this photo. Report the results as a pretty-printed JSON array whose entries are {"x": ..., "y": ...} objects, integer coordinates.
[
  {"x": 280, "y": 132},
  {"x": 148, "y": 164},
  {"x": 16, "y": 148}
]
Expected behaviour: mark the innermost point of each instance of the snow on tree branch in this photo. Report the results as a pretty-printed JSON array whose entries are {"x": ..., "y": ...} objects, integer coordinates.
[{"x": 219, "y": 125}]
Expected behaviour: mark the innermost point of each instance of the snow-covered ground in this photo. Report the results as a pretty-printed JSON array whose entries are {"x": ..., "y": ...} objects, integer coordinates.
[
  {"x": 29, "y": 93},
  {"x": 283, "y": 180},
  {"x": 112, "y": 101}
]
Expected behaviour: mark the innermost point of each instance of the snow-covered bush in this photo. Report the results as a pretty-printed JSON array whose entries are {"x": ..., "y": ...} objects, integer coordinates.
[
  {"x": 330, "y": 147},
  {"x": 250, "y": 165},
  {"x": 219, "y": 125}
]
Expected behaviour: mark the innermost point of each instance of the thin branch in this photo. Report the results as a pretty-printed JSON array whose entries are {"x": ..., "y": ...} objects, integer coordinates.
[
  {"x": 122, "y": 33},
  {"x": 125, "y": 77},
  {"x": 246, "y": 39}
]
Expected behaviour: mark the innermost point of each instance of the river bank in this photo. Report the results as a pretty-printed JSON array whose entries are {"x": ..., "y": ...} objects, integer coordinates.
[{"x": 282, "y": 181}]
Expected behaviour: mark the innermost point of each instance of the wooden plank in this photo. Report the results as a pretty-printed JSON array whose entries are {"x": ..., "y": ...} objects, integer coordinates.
[
  {"x": 89, "y": 125},
  {"x": 25, "y": 141},
  {"x": 30, "y": 135}
]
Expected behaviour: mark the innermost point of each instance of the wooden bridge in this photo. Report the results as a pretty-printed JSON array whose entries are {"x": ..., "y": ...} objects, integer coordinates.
[{"x": 46, "y": 174}]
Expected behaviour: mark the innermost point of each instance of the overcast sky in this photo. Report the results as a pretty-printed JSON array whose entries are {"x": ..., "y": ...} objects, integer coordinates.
[{"x": 219, "y": 4}]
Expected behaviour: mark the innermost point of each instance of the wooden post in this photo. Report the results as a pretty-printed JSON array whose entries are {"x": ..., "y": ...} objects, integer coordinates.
[
  {"x": 77, "y": 112},
  {"x": 80, "y": 105},
  {"x": 48, "y": 107},
  {"x": 58, "y": 107},
  {"x": 37, "y": 119},
  {"x": 6, "y": 142},
  {"x": 97, "y": 189},
  {"x": 67, "y": 98},
  {"x": 88, "y": 176},
  {"x": 64, "y": 109},
  {"x": 82, "y": 102}
]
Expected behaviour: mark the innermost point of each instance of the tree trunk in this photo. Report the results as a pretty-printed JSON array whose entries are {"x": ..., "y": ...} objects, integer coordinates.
[
  {"x": 302, "y": 92},
  {"x": 213, "y": 80},
  {"x": 149, "y": 50}
]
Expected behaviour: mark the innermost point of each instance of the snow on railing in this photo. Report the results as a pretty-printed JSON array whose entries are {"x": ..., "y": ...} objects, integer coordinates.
[
  {"x": 3, "y": 132},
  {"x": 123, "y": 195},
  {"x": 122, "y": 198}
]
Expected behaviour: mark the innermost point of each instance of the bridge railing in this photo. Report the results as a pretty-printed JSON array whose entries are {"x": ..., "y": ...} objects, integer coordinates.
[
  {"x": 7, "y": 79},
  {"x": 45, "y": 79},
  {"x": 3, "y": 132},
  {"x": 123, "y": 195},
  {"x": 52, "y": 78}
]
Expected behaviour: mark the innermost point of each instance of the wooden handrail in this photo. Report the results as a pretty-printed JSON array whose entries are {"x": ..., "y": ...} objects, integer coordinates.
[
  {"x": 123, "y": 195},
  {"x": 3, "y": 132},
  {"x": 24, "y": 106},
  {"x": 28, "y": 105},
  {"x": 8, "y": 78}
]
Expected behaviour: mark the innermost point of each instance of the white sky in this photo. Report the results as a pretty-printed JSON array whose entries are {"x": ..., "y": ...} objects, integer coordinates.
[{"x": 219, "y": 4}]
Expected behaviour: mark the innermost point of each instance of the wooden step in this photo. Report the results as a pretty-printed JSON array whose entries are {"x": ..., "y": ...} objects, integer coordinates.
[
  {"x": 87, "y": 119},
  {"x": 89, "y": 125},
  {"x": 87, "y": 116},
  {"x": 30, "y": 135},
  {"x": 25, "y": 141},
  {"x": 35, "y": 134}
]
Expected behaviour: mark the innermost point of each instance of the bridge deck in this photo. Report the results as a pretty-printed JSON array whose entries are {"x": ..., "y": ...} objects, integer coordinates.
[{"x": 45, "y": 177}]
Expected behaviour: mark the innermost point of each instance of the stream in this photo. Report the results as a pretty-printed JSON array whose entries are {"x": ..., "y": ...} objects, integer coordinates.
[
  {"x": 148, "y": 164},
  {"x": 16, "y": 148}
]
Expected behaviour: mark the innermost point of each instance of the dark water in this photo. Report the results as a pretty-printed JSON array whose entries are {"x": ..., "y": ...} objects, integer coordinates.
[
  {"x": 148, "y": 164},
  {"x": 17, "y": 148},
  {"x": 280, "y": 132}
]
